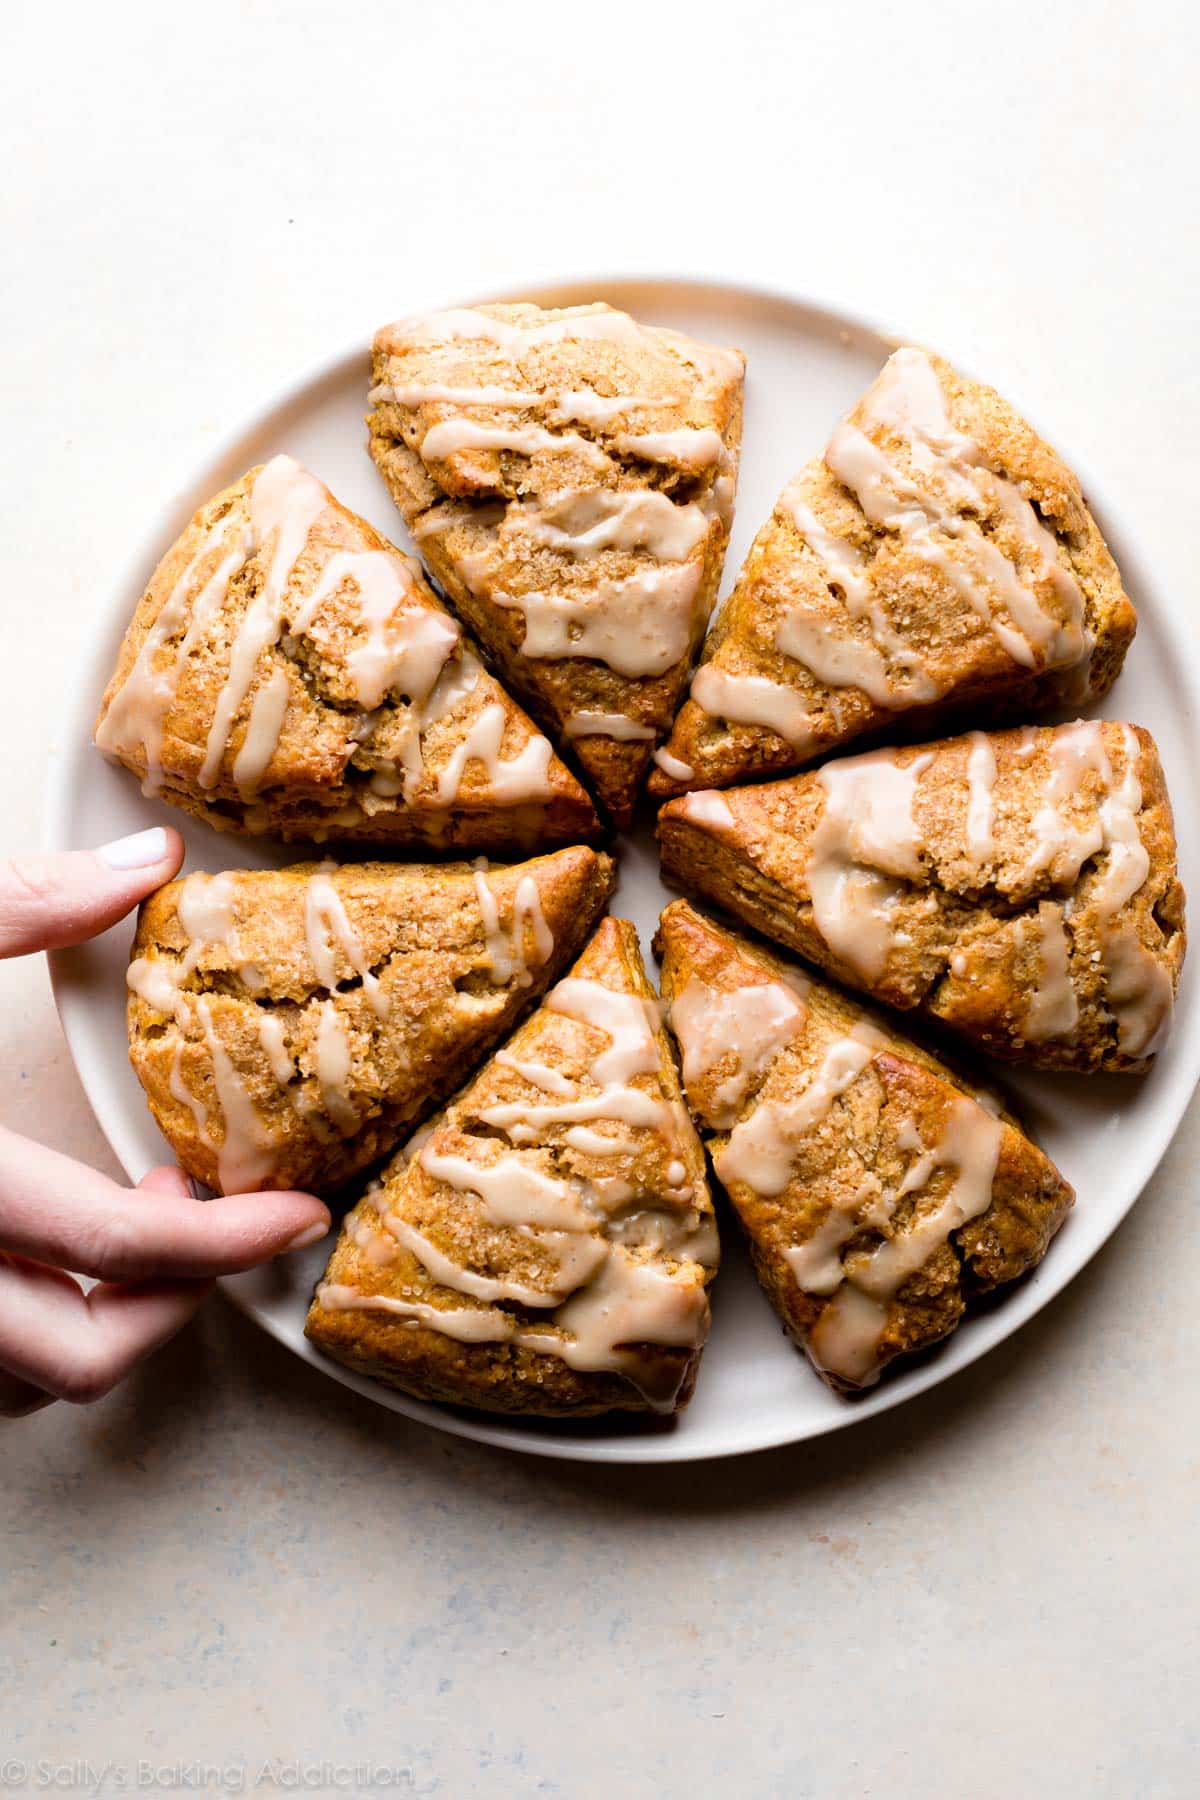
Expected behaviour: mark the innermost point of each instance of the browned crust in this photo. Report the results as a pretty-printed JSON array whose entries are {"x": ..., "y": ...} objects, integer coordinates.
[
  {"x": 317, "y": 784},
  {"x": 781, "y": 569},
  {"x": 553, "y": 689},
  {"x": 503, "y": 1378},
  {"x": 423, "y": 937},
  {"x": 758, "y": 872},
  {"x": 905, "y": 1085}
]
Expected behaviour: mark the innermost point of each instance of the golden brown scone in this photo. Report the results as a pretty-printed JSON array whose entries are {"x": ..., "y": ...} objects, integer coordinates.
[
  {"x": 879, "y": 1189},
  {"x": 287, "y": 670},
  {"x": 939, "y": 556},
  {"x": 289, "y": 1024},
  {"x": 546, "y": 1245},
  {"x": 568, "y": 476},
  {"x": 1019, "y": 886}
]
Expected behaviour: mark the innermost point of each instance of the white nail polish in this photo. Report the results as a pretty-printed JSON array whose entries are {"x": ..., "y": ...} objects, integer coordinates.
[
  {"x": 311, "y": 1235},
  {"x": 139, "y": 851}
]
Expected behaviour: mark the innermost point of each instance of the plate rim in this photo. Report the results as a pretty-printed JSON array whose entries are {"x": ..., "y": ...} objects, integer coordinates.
[{"x": 1034, "y": 1293}]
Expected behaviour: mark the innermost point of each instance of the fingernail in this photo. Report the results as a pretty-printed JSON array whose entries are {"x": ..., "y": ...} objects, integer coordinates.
[
  {"x": 138, "y": 851},
  {"x": 312, "y": 1234}
]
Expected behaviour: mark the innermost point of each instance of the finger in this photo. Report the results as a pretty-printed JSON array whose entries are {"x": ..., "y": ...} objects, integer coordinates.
[
  {"x": 60, "y": 1212},
  {"x": 50, "y": 900},
  {"x": 76, "y": 1346}
]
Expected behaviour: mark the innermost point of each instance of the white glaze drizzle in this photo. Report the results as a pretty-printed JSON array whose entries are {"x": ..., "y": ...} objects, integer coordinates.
[
  {"x": 627, "y": 1019},
  {"x": 511, "y": 1191},
  {"x": 467, "y": 324},
  {"x": 604, "y": 1297},
  {"x": 508, "y": 957},
  {"x": 407, "y": 643},
  {"x": 268, "y": 710},
  {"x": 537, "y": 1074},
  {"x": 673, "y": 766},
  {"x": 846, "y": 1338},
  {"x": 469, "y": 1325},
  {"x": 865, "y": 846},
  {"x": 273, "y": 1038},
  {"x": 630, "y": 1302},
  {"x": 333, "y": 1063},
  {"x": 981, "y": 781},
  {"x": 632, "y": 1050},
  {"x": 1062, "y": 841},
  {"x": 1053, "y": 1010},
  {"x": 246, "y": 1155},
  {"x": 204, "y": 908},
  {"x": 1139, "y": 988},
  {"x": 135, "y": 716},
  {"x": 687, "y": 447},
  {"x": 453, "y": 436},
  {"x": 817, "y": 1262},
  {"x": 754, "y": 700},
  {"x": 762, "y": 1147},
  {"x": 747, "y": 1026},
  {"x": 583, "y": 406},
  {"x": 408, "y": 647},
  {"x": 287, "y": 501},
  {"x": 525, "y": 776},
  {"x": 585, "y": 522},
  {"x": 709, "y": 809},
  {"x": 638, "y": 624},
  {"x": 327, "y": 929},
  {"x": 1140, "y": 992},
  {"x": 606, "y": 724},
  {"x": 438, "y": 393},
  {"x": 907, "y": 401},
  {"x": 887, "y": 670},
  {"x": 575, "y": 1256},
  {"x": 574, "y": 405},
  {"x": 180, "y": 1091}
]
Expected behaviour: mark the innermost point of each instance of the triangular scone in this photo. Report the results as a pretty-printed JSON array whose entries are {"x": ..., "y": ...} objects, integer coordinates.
[
  {"x": 546, "y": 1245},
  {"x": 288, "y": 1025},
  {"x": 568, "y": 476},
  {"x": 288, "y": 670},
  {"x": 1019, "y": 886},
  {"x": 938, "y": 554},
  {"x": 878, "y": 1188}
]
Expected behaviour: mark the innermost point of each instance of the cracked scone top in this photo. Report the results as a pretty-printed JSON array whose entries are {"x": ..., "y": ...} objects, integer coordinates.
[
  {"x": 878, "y": 1188},
  {"x": 1019, "y": 886},
  {"x": 545, "y": 1246},
  {"x": 568, "y": 477},
  {"x": 288, "y": 1025},
  {"x": 939, "y": 553},
  {"x": 288, "y": 670}
]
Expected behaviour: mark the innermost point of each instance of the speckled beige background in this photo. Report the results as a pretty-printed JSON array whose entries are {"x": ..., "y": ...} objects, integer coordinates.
[{"x": 234, "y": 1563}]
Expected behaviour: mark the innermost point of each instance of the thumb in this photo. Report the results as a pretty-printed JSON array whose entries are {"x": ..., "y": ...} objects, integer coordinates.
[{"x": 50, "y": 900}]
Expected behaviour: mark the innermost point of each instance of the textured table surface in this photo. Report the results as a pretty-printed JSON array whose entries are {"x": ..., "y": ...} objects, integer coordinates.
[{"x": 232, "y": 1570}]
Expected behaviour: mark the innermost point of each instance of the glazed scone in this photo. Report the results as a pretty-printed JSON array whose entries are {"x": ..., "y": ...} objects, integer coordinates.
[
  {"x": 546, "y": 1246},
  {"x": 1018, "y": 886},
  {"x": 879, "y": 1190},
  {"x": 938, "y": 556},
  {"x": 289, "y": 1025},
  {"x": 288, "y": 670},
  {"x": 568, "y": 477}
]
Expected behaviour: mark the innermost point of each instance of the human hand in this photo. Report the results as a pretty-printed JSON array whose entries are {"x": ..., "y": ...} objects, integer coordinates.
[{"x": 153, "y": 1249}]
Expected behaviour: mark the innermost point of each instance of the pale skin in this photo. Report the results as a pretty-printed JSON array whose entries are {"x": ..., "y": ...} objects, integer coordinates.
[{"x": 153, "y": 1250}]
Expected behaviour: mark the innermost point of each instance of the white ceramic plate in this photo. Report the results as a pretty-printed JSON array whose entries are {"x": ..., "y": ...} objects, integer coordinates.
[{"x": 806, "y": 366}]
